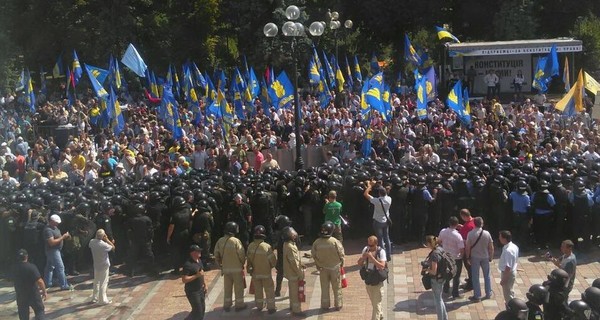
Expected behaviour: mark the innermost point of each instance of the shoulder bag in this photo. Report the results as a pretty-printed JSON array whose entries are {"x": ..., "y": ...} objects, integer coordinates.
[{"x": 389, "y": 221}]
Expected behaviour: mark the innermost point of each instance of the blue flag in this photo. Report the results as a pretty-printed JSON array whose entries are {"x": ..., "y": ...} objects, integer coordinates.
[
  {"x": 466, "y": 116},
  {"x": 253, "y": 86},
  {"x": 365, "y": 108},
  {"x": 238, "y": 102},
  {"x": 330, "y": 72},
  {"x": 357, "y": 73},
  {"x": 374, "y": 92},
  {"x": 366, "y": 145},
  {"x": 58, "y": 68},
  {"x": 374, "y": 64},
  {"x": 349, "y": 74},
  {"x": 169, "y": 113},
  {"x": 455, "y": 98},
  {"x": 422, "y": 98},
  {"x": 98, "y": 89},
  {"x": 118, "y": 123},
  {"x": 281, "y": 91},
  {"x": 410, "y": 53},
  {"x": 313, "y": 72},
  {"x": 387, "y": 106},
  {"x": 29, "y": 93},
  {"x": 22, "y": 81},
  {"x": 547, "y": 67},
  {"x": 430, "y": 83},
  {"x": 77, "y": 71},
  {"x": 445, "y": 34},
  {"x": 134, "y": 61},
  {"x": 98, "y": 73}
]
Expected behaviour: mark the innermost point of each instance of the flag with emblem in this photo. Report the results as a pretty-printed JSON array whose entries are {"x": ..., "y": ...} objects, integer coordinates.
[
  {"x": 422, "y": 98},
  {"x": 96, "y": 85},
  {"x": 281, "y": 91},
  {"x": 547, "y": 67},
  {"x": 77, "y": 71}
]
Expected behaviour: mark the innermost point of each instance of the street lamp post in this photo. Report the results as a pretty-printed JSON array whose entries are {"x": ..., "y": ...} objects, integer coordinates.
[
  {"x": 335, "y": 25},
  {"x": 294, "y": 29}
]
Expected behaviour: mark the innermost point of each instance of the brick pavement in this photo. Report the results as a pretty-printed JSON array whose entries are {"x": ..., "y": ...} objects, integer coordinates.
[{"x": 146, "y": 298}]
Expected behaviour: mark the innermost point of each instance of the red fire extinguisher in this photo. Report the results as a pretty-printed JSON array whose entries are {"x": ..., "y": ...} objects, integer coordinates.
[
  {"x": 344, "y": 280},
  {"x": 301, "y": 290}
]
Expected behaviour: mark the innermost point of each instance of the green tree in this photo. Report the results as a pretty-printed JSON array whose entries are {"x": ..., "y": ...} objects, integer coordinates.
[
  {"x": 588, "y": 30},
  {"x": 515, "y": 21}
]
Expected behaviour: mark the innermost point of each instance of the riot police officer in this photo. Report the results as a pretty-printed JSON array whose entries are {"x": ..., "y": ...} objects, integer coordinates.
[
  {"x": 520, "y": 203},
  {"x": 230, "y": 255},
  {"x": 581, "y": 199},
  {"x": 140, "y": 233},
  {"x": 556, "y": 307},
  {"x": 537, "y": 296},
  {"x": 328, "y": 253},
  {"x": 579, "y": 310},
  {"x": 263, "y": 210},
  {"x": 591, "y": 296},
  {"x": 543, "y": 212},
  {"x": 261, "y": 261},
  {"x": 178, "y": 236},
  {"x": 516, "y": 309},
  {"x": 202, "y": 227}
]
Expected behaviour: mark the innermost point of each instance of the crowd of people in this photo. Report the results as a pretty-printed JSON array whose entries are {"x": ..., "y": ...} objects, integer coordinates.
[{"x": 520, "y": 166}]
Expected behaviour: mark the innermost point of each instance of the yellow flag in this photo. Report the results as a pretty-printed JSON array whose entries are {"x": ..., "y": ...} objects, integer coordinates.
[
  {"x": 591, "y": 84},
  {"x": 574, "y": 96}
]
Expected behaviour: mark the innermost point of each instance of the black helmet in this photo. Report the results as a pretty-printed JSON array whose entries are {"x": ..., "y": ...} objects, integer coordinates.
[
  {"x": 154, "y": 196},
  {"x": 518, "y": 308},
  {"x": 231, "y": 228},
  {"x": 421, "y": 181},
  {"x": 544, "y": 185},
  {"x": 596, "y": 283},
  {"x": 591, "y": 296},
  {"x": 327, "y": 229},
  {"x": 178, "y": 202},
  {"x": 283, "y": 221},
  {"x": 106, "y": 206},
  {"x": 581, "y": 310},
  {"x": 290, "y": 234},
  {"x": 260, "y": 232},
  {"x": 139, "y": 209},
  {"x": 579, "y": 186},
  {"x": 504, "y": 315},
  {"x": 83, "y": 209},
  {"x": 538, "y": 294},
  {"x": 558, "y": 278}
]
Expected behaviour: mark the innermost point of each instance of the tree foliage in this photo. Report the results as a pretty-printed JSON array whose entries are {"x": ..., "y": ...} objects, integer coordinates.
[{"x": 215, "y": 33}]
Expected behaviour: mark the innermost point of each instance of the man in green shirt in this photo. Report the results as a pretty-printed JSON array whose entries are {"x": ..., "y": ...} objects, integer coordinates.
[{"x": 333, "y": 211}]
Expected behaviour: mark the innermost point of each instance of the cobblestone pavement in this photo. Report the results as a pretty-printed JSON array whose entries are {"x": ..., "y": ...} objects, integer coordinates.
[{"x": 149, "y": 299}]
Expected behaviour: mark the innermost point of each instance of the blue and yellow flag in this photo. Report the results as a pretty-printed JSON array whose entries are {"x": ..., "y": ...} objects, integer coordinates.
[
  {"x": 211, "y": 93},
  {"x": 226, "y": 111},
  {"x": 455, "y": 98},
  {"x": 367, "y": 142},
  {"x": 169, "y": 76},
  {"x": 445, "y": 34},
  {"x": 374, "y": 64},
  {"x": 572, "y": 102},
  {"x": 154, "y": 85},
  {"x": 22, "y": 81},
  {"x": 253, "y": 87},
  {"x": 365, "y": 108},
  {"x": 239, "y": 80},
  {"x": 431, "y": 83},
  {"x": 357, "y": 74},
  {"x": 349, "y": 74},
  {"x": 422, "y": 98},
  {"x": 238, "y": 102},
  {"x": 387, "y": 105},
  {"x": 566, "y": 79},
  {"x": 466, "y": 118},
  {"x": 265, "y": 98},
  {"x": 98, "y": 89},
  {"x": 77, "y": 71},
  {"x": 118, "y": 122},
  {"x": 168, "y": 112},
  {"x": 547, "y": 67},
  {"x": 281, "y": 91},
  {"x": 114, "y": 75},
  {"x": 330, "y": 72},
  {"x": 221, "y": 80},
  {"x": 313, "y": 72},
  {"x": 323, "y": 92},
  {"x": 29, "y": 93},
  {"x": 374, "y": 93},
  {"x": 410, "y": 53},
  {"x": 58, "y": 67},
  {"x": 339, "y": 77},
  {"x": 98, "y": 73}
]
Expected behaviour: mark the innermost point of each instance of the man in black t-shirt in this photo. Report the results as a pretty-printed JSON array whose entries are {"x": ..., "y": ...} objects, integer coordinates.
[
  {"x": 29, "y": 288},
  {"x": 195, "y": 288}
]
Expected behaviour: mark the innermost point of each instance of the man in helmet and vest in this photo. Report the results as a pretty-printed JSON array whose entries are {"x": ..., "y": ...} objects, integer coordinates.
[
  {"x": 328, "y": 253},
  {"x": 293, "y": 270},
  {"x": 543, "y": 206},
  {"x": 230, "y": 256},
  {"x": 261, "y": 261},
  {"x": 178, "y": 235},
  {"x": 140, "y": 234}
]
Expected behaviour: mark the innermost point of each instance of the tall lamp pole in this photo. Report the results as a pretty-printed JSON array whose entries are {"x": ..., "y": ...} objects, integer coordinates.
[
  {"x": 335, "y": 25},
  {"x": 294, "y": 29}
]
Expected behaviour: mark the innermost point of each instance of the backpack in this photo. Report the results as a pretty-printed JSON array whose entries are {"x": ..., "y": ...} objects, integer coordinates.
[{"x": 446, "y": 266}]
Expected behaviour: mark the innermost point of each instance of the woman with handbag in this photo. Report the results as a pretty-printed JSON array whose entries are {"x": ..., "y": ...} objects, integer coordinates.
[
  {"x": 373, "y": 260},
  {"x": 430, "y": 269}
]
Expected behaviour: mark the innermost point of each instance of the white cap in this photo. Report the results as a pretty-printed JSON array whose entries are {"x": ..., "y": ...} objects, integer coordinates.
[{"x": 55, "y": 218}]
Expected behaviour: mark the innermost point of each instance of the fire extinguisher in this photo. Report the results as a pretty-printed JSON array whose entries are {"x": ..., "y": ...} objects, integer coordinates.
[
  {"x": 301, "y": 290},
  {"x": 344, "y": 280}
]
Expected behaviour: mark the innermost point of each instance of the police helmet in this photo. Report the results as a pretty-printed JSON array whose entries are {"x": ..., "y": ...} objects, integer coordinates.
[
  {"x": 290, "y": 234},
  {"x": 327, "y": 229},
  {"x": 260, "y": 232},
  {"x": 231, "y": 228},
  {"x": 558, "y": 278},
  {"x": 581, "y": 310},
  {"x": 139, "y": 209},
  {"x": 518, "y": 308},
  {"x": 178, "y": 202},
  {"x": 591, "y": 296},
  {"x": 596, "y": 283},
  {"x": 283, "y": 221},
  {"x": 538, "y": 294}
]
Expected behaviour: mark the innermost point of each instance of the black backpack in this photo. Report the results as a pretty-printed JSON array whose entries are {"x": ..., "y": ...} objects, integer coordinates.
[{"x": 446, "y": 266}]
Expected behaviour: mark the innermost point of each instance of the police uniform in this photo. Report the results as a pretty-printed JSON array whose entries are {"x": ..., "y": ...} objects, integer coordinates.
[
  {"x": 292, "y": 270},
  {"x": 202, "y": 226},
  {"x": 230, "y": 255},
  {"x": 141, "y": 234},
  {"x": 261, "y": 261},
  {"x": 328, "y": 253}
]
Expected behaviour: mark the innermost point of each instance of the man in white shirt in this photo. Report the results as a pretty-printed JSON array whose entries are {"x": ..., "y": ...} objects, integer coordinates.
[
  {"x": 591, "y": 154},
  {"x": 491, "y": 79},
  {"x": 381, "y": 213},
  {"x": 453, "y": 243},
  {"x": 507, "y": 265},
  {"x": 100, "y": 247}
]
